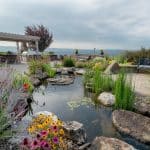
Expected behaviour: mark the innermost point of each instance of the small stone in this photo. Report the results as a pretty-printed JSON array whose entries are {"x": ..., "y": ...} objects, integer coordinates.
[{"x": 107, "y": 99}]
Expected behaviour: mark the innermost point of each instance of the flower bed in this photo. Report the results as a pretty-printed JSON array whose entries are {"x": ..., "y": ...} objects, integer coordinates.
[{"x": 46, "y": 133}]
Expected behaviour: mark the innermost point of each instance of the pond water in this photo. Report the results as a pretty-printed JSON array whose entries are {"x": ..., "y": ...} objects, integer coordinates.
[{"x": 96, "y": 119}]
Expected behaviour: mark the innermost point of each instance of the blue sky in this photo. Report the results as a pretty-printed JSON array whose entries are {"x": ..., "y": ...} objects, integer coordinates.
[{"x": 114, "y": 24}]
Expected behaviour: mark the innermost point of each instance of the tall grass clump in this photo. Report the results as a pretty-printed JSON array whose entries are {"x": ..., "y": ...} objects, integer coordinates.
[
  {"x": 98, "y": 81},
  {"x": 101, "y": 82},
  {"x": 68, "y": 62},
  {"x": 124, "y": 93}
]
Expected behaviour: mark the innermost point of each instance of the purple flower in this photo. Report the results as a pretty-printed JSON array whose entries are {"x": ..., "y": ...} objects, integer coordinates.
[{"x": 55, "y": 140}]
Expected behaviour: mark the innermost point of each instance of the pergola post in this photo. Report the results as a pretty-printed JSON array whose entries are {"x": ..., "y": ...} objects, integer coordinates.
[
  {"x": 18, "y": 51},
  {"x": 37, "y": 46}
]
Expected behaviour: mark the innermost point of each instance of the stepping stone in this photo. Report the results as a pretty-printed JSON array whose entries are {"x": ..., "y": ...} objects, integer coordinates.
[
  {"x": 133, "y": 124},
  {"x": 105, "y": 143}
]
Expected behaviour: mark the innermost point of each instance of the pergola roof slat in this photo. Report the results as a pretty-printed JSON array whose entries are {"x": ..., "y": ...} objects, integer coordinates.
[{"x": 17, "y": 37}]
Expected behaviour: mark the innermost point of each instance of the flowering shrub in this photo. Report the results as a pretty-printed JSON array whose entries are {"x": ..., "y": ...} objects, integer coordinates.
[
  {"x": 46, "y": 134},
  {"x": 23, "y": 83}
]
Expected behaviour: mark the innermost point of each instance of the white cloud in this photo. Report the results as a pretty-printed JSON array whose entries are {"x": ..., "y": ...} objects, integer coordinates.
[{"x": 82, "y": 23}]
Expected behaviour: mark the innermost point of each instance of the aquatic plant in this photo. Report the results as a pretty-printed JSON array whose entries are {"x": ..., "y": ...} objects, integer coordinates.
[
  {"x": 73, "y": 104},
  {"x": 124, "y": 93},
  {"x": 47, "y": 133},
  {"x": 97, "y": 81},
  {"x": 68, "y": 62}
]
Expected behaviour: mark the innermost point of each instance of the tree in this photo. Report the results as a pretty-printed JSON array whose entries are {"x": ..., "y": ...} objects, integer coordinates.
[{"x": 46, "y": 38}]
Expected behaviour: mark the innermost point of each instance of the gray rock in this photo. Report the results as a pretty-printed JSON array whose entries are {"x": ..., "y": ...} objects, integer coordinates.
[
  {"x": 142, "y": 105},
  {"x": 105, "y": 143},
  {"x": 41, "y": 75},
  {"x": 35, "y": 81},
  {"x": 80, "y": 72},
  {"x": 75, "y": 132},
  {"x": 107, "y": 99},
  {"x": 112, "y": 68},
  {"x": 133, "y": 124},
  {"x": 66, "y": 80}
]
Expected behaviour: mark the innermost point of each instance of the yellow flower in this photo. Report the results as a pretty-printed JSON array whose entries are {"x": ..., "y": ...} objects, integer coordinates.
[{"x": 61, "y": 132}]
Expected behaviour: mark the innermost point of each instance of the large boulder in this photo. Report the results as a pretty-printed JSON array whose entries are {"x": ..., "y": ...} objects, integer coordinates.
[
  {"x": 112, "y": 68},
  {"x": 142, "y": 105},
  {"x": 105, "y": 143},
  {"x": 133, "y": 124},
  {"x": 106, "y": 98},
  {"x": 75, "y": 131}
]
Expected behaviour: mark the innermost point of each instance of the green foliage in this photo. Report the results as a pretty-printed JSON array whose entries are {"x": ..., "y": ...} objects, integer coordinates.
[
  {"x": 80, "y": 64},
  {"x": 121, "y": 59},
  {"x": 124, "y": 93},
  {"x": 98, "y": 81},
  {"x": 20, "y": 80},
  {"x": 68, "y": 62},
  {"x": 98, "y": 63},
  {"x": 34, "y": 66},
  {"x": 4, "y": 124},
  {"x": 42, "y": 65},
  {"x": 47, "y": 68}
]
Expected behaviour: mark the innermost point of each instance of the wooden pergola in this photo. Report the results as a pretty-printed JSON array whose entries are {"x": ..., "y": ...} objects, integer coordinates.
[{"x": 10, "y": 37}]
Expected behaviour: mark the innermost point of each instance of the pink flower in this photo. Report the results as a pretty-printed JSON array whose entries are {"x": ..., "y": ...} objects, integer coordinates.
[
  {"x": 45, "y": 146},
  {"x": 35, "y": 144},
  {"x": 44, "y": 133},
  {"x": 54, "y": 128}
]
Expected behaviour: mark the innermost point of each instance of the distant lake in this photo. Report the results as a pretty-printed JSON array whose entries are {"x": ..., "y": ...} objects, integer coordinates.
[{"x": 63, "y": 51}]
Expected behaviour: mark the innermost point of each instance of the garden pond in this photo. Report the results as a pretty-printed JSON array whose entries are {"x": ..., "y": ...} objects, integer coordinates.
[{"x": 72, "y": 102}]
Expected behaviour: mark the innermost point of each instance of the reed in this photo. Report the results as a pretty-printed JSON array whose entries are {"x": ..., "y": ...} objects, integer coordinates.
[{"x": 124, "y": 93}]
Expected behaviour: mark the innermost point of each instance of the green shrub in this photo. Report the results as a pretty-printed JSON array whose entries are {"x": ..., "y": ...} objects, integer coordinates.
[
  {"x": 98, "y": 63},
  {"x": 121, "y": 59},
  {"x": 42, "y": 65},
  {"x": 68, "y": 62},
  {"x": 124, "y": 93},
  {"x": 80, "y": 64},
  {"x": 47, "y": 68},
  {"x": 34, "y": 65}
]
